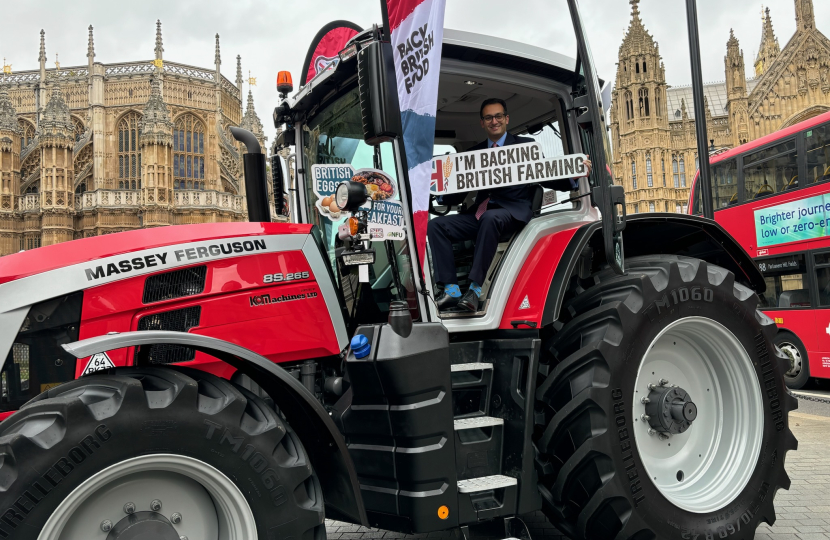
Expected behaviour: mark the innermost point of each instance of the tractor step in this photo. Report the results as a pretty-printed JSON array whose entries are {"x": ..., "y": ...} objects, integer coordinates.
[
  {"x": 477, "y": 422},
  {"x": 472, "y": 366},
  {"x": 486, "y": 497},
  {"x": 485, "y": 483}
]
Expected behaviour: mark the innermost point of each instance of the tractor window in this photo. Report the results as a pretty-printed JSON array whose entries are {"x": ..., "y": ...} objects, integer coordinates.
[
  {"x": 335, "y": 137},
  {"x": 36, "y": 361}
]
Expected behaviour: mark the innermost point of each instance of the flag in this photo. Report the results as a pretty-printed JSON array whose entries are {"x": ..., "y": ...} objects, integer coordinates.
[
  {"x": 417, "y": 35},
  {"x": 325, "y": 46}
]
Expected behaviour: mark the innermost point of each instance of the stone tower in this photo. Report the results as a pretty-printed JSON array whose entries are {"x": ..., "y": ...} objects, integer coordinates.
[
  {"x": 769, "y": 48},
  {"x": 640, "y": 125},
  {"x": 156, "y": 144},
  {"x": 9, "y": 171},
  {"x": 736, "y": 91},
  {"x": 55, "y": 133}
]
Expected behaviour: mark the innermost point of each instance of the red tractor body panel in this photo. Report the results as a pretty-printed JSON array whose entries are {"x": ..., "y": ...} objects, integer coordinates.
[{"x": 283, "y": 318}]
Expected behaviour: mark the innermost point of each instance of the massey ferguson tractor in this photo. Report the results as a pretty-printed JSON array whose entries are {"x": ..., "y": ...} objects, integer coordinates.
[{"x": 242, "y": 381}]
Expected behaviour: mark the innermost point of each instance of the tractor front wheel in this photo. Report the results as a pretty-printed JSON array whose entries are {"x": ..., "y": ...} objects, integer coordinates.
[
  {"x": 662, "y": 410},
  {"x": 160, "y": 453}
]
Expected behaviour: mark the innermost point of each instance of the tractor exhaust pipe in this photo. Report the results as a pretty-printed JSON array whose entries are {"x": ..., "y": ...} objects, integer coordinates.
[{"x": 256, "y": 189}]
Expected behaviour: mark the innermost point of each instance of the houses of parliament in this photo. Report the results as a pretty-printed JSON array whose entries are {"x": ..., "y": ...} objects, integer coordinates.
[
  {"x": 103, "y": 148},
  {"x": 653, "y": 124}
]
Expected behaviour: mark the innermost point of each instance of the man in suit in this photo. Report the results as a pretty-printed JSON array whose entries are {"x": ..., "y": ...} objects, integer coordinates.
[{"x": 494, "y": 213}]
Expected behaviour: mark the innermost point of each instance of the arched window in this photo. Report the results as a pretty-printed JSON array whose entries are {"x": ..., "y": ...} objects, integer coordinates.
[
  {"x": 188, "y": 153},
  {"x": 649, "y": 178},
  {"x": 674, "y": 172},
  {"x": 644, "y": 68},
  {"x": 663, "y": 165},
  {"x": 667, "y": 206},
  {"x": 644, "y": 108},
  {"x": 629, "y": 106},
  {"x": 659, "y": 111},
  {"x": 28, "y": 133},
  {"x": 79, "y": 128},
  {"x": 634, "y": 173},
  {"x": 682, "y": 172},
  {"x": 129, "y": 157},
  {"x": 34, "y": 187},
  {"x": 638, "y": 66},
  {"x": 651, "y": 207}
]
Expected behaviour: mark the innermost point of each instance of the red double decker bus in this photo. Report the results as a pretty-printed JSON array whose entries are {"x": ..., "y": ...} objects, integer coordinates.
[{"x": 773, "y": 196}]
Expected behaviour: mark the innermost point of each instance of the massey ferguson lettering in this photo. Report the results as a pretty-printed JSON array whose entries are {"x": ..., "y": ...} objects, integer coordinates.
[
  {"x": 133, "y": 264},
  {"x": 125, "y": 266}
]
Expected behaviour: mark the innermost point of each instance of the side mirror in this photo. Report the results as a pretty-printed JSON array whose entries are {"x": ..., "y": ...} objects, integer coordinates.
[
  {"x": 279, "y": 179},
  {"x": 378, "y": 93}
]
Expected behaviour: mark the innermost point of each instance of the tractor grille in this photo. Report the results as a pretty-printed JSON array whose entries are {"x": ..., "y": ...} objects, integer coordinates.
[
  {"x": 179, "y": 320},
  {"x": 176, "y": 284}
]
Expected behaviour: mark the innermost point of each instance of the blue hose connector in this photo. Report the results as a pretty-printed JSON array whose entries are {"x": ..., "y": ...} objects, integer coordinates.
[{"x": 360, "y": 346}]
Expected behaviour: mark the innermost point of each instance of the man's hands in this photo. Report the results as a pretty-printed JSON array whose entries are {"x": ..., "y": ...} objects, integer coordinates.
[{"x": 588, "y": 166}]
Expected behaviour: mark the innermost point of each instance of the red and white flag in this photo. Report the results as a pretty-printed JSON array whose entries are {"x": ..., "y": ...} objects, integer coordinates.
[{"x": 417, "y": 35}]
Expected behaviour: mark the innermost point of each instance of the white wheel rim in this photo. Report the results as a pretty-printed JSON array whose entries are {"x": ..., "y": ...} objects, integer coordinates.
[
  {"x": 795, "y": 358},
  {"x": 708, "y": 466},
  {"x": 211, "y": 505}
]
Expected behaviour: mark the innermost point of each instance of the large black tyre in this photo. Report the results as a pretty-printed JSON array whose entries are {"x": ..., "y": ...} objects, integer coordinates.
[
  {"x": 590, "y": 428},
  {"x": 798, "y": 371},
  {"x": 58, "y": 443}
]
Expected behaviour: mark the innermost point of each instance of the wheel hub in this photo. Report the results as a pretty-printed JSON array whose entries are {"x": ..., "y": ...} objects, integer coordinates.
[
  {"x": 143, "y": 525},
  {"x": 670, "y": 409}
]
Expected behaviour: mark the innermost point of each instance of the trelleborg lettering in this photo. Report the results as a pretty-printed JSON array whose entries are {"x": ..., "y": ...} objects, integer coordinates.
[{"x": 132, "y": 264}]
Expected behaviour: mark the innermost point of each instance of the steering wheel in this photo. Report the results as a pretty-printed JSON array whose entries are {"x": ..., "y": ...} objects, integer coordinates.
[{"x": 435, "y": 212}]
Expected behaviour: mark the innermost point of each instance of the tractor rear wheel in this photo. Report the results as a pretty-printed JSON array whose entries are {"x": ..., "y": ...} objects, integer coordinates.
[
  {"x": 154, "y": 453},
  {"x": 661, "y": 409}
]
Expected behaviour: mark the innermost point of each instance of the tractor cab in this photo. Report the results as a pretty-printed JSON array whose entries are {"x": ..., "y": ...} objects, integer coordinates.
[{"x": 325, "y": 122}]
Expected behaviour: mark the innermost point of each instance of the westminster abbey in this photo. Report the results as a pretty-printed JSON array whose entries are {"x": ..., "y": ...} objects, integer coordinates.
[
  {"x": 104, "y": 148},
  {"x": 653, "y": 124}
]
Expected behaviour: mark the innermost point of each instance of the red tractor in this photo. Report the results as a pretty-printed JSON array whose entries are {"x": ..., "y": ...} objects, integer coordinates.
[{"x": 244, "y": 380}]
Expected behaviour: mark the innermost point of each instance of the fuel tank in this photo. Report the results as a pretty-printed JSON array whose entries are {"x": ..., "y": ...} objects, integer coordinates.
[{"x": 264, "y": 286}]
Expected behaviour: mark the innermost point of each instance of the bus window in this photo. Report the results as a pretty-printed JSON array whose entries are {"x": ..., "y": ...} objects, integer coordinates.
[
  {"x": 823, "y": 278},
  {"x": 724, "y": 184},
  {"x": 787, "y": 283},
  {"x": 771, "y": 170},
  {"x": 818, "y": 153}
]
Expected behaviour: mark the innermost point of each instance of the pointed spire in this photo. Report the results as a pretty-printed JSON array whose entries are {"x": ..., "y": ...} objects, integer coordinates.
[
  {"x": 42, "y": 57},
  {"x": 90, "y": 47},
  {"x": 805, "y": 16},
  {"x": 159, "y": 44},
  {"x": 683, "y": 109},
  {"x": 635, "y": 8},
  {"x": 218, "y": 58},
  {"x": 8, "y": 114},
  {"x": 251, "y": 121},
  {"x": 769, "y": 48},
  {"x": 239, "y": 80}
]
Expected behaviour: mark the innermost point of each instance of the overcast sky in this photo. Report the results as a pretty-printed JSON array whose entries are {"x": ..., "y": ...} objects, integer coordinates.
[{"x": 274, "y": 35}]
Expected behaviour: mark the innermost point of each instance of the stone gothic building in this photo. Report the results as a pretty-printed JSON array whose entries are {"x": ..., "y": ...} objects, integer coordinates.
[
  {"x": 653, "y": 124},
  {"x": 105, "y": 148}
]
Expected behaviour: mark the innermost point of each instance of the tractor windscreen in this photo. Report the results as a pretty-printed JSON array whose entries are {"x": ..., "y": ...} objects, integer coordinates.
[{"x": 333, "y": 141}]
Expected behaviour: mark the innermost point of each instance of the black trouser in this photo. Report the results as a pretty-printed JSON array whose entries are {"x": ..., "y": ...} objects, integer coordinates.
[{"x": 443, "y": 231}]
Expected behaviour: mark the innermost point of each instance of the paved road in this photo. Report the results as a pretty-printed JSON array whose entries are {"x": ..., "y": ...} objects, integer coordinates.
[{"x": 803, "y": 511}]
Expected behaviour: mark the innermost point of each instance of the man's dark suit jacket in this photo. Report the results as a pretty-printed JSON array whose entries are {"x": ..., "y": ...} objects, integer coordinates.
[{"x": 518, "y": 200}]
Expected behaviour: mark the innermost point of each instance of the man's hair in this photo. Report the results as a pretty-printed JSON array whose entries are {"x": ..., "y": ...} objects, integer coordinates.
[{"x": 493, "y": 101}]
